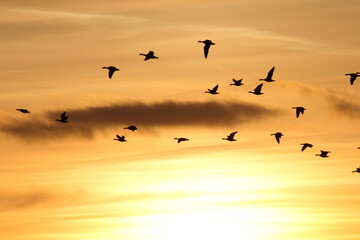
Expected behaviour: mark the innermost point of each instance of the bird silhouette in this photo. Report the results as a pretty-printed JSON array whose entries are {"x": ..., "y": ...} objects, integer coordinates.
[
  {"x": 149, "y": 55},
  {"x": 230, "y": 137},
  {"x": 22, "y": 110},
  {"x": 306, "y": 145},
  {"x": 353, "y": 77},
  {"x": 63, "y": 118},
  {"x": 323, "y": 154},
  {"x": 257, "y": 90},
  {"x": 207, "y": 46},
  {"x": 111, "y": 69},
  {"x": 269, "y": 76},
  {"x": 120, "y": 138},
  {"x": 131, "y": 127},
  {"x": 277, "y": 135},
  {"x": 181, "y": 139},
  {"x": 237, "y": 82},
  {"x": 214, "y": 90},
  {"x": 299, "y": 110},
  {"x": 357, "y": 170}
]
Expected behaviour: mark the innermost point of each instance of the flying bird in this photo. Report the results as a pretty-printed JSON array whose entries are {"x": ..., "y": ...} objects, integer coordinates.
[
  {"x": 120, "y": 138},
  {"x": 230, "y": 137},
  {"x": 277, "y": 135},
  {"x": 63, "y": 118},
  {"x": 22, "y": 110},
  {"x": 237, "y": 82},
  {"x": 323, "y": 154},
  {"x": 181, "y": 139},
  {"x": 353, "y": 77},
  {"x": 149, "y": 55},
  {"x": 269, "y": 76},
  {"x": 257, "y": 90},
  {"x": 299, "y": 110},
  {"x": 306, "y": 145},
  {"x": 214, "y": 90},
  {"x": 357, "y": 170},
  {"x": 207, "y": 46},
  {"x": 111, "y": 69},
  {"x": 131, "y": 127}
]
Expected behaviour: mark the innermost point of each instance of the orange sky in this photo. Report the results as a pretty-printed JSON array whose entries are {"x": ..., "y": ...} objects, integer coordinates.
[{"x": 73, "y": 182}]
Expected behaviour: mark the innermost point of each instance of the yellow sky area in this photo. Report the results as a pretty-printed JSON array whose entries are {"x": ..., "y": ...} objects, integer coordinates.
[{"x": 74, "y": 182}]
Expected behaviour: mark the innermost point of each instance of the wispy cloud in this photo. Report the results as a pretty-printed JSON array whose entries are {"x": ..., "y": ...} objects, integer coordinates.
[{"x": 86, "y": 122}]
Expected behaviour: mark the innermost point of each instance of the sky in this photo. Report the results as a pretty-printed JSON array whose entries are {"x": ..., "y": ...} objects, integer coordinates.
[{"x": 72, "y": 181}]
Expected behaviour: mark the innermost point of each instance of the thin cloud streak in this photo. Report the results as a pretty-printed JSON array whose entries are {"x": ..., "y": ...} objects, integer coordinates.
[{"x": 86, "y": 122}]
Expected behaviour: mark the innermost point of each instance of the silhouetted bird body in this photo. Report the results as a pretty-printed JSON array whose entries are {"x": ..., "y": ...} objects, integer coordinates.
[
  {"x": 277, "y": 135},
  {"x": 237, "y": 82},
  {"x": 214, "y": 90},
  {"x": 120, "y": 138},
  {"x": 22, "y": 110},
  {"x": 269, "y": 76},
  {"x": 63, "y": 118},
  {"x": 299, "y": 110},
  {"x": 131, "y": 127},
  {"x": 257, "y": 90},
  {"x": 111, "y": 69},
  {"x": 181, "y": 139},
  {"x": 306, "y": 145},
  {"x": 230, "y": 137},
  {"x": 353, "y": 77},
  {"x": 323, "y": 154},
  {"x": 357, "y": 170},
  {"x": 149, "y": 55},
  {"x": 207, "y": 46}
]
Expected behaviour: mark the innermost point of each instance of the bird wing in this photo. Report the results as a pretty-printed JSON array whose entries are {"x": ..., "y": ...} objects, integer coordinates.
[
  {"x": 215, "y": 88},
  {"x": 298, "y": 110},
  {"x": 63, "y": 115},
  {"x": 111, "y": 72},
  {"x": 232, "y": 135},
  {"x": 304, "y": 147},
  {"x": 118, "y": 136},
  {"x": 151, "y": 53},
  {"x": 352, "y": 79},
  {"x": 277, "y": 138},
  {"x": 270, "y": 73},
  {"x": 206, "y": 50},
  {"x": 258, "y": 88}
]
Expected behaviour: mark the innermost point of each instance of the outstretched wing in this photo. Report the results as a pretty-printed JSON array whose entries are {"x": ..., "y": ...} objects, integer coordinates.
[
  {"x": 258, "y": 88},
  {"x": 298, "y": 111},
  {"x": 206, "y": 50},
  {"x": 111, "y": 72},
  {"x": 232, "y": 135},
  {"x": 215, "y": 88},
  {"x": 352, "y": 78},
  {"x": 304, "y": 147},
  {"x": 270, "y": 73}
]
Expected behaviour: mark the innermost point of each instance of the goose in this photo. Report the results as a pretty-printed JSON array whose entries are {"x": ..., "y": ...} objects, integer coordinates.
[
  {"x": 149, "y": 55},
  {"x": 306, "y": 145},
  {"x": 357, "y": 170},
  {"x": 120, "y": 138},
  {"x": 214, "y": 90},
  {"x": 207, "y": 46},
  {"x": 230, "y": 137},
  {"x": 269, "y": 76},
  {"x": 299, "y": 110},
  {"x": 63, "y": 118},
  {"x": 237, "y": 82},
  {"x": 353, "y": 77},
  {"x": 277, "y": 135},
  {"x": 257, "y": 90},
  {"x": 111, "y": 69},
  {"x": 22, "y": 110},
  {"x": 323, "y": 154},
  {"x": 131, "y": 127},
  {"x": 181, "y": 139}
]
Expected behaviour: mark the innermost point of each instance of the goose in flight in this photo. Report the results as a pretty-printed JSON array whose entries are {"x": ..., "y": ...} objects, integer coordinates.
[
  {"x": 207, "y": 46},
  {"x": 230, "y": 137},
  {"x": 214, "y": 90},
  {"x": 299, "y": 110},
  {"x": 277, "y": 135},
  {"x": 63, "y": 118},
  {"x": 323, "y": 154},
  {"x": 131, "y": 127},
  {"x": 22, "y": 110},
  {"x": 149, "y": 55},
  {"x": 257, "y": 90},
  {"x": 306, "y": 145},
  {"x": 237, "y": 82},
  {"x": 269, "y": 76},
  {"x": 357, "y": 170},
  {"x": 181, "y": 139},
  {"x": 111, "y": 69},
  {"x": 353, "y": 77},
  {"x": 120, "y": 138}
]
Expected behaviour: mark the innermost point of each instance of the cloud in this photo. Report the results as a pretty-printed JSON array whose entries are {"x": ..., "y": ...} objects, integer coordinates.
[{"x": 85, "y": 122}]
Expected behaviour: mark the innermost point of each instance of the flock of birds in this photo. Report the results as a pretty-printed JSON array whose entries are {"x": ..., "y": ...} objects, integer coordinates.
[{"x": 231, "y": 137}]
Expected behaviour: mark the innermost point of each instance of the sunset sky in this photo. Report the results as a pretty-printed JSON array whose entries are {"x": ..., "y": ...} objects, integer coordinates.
[{"x": 74, "y": 182}]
